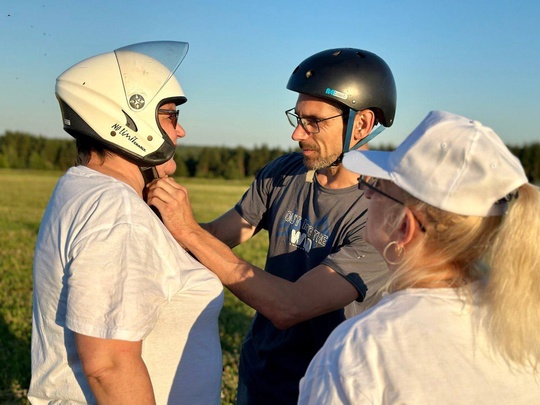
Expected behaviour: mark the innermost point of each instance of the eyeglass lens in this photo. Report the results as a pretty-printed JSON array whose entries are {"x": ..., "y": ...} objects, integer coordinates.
[
  {"x": 371, "y": 184},
  {"x": 173, "y": 115},
  {"x": 306, "y": 123}
]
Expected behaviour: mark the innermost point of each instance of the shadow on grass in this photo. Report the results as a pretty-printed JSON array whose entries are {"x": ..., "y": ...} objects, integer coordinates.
[{"x": 234, "y": 321}]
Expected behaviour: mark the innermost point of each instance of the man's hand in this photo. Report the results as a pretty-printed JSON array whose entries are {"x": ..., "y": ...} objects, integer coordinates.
[
  {"x": 172, "y": 201},
  {"x": 285, "y": 303}
]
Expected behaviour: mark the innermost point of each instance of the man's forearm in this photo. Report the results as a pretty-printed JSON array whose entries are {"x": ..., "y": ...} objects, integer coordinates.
[
  {"x": 264, "y": 292},
  {"x": 318, "y": 291},
  {"x": 230, "y": 228}
]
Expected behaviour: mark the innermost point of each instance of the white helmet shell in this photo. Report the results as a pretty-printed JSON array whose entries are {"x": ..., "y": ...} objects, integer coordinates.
[{"x": 114, "y": 98}]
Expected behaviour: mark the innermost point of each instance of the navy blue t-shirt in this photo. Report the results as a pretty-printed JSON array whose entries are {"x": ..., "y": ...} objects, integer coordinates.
[{"x": 308, "y": 225}]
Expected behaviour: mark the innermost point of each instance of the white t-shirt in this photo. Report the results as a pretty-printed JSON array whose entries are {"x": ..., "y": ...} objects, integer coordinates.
[
  {"x": 105, "y": 266},
  {"x": 417, "y": 346}
]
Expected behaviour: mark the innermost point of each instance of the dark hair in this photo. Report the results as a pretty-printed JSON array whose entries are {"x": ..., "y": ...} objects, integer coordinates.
[{"x": 85, "y": 147}]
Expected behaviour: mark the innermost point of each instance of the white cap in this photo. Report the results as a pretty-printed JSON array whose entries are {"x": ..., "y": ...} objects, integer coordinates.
[{"x": 450, "y": 162}]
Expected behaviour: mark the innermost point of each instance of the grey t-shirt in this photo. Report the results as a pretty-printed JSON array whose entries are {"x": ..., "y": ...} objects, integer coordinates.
[{"x": 308, "y": 224}]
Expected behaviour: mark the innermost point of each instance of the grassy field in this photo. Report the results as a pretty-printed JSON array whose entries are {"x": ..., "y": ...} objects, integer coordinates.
[{"x": 22, "y": 202}]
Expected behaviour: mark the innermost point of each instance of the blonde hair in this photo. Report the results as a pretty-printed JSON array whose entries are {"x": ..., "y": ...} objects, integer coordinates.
[
  {"x": 512, "y": 293},
  {"x": 501, "y": 251},
  {"x": 454, "y": 243}
]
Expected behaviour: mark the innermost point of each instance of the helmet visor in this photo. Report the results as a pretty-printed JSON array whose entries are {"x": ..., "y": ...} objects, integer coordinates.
[{"x": 147, "y": 67}]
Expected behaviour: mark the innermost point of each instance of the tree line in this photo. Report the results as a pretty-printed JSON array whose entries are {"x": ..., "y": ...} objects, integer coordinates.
[{"x": 20, "y": 150}]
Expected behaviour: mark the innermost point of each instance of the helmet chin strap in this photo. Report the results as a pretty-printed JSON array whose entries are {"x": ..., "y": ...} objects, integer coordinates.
[
  {"x": 149, "y": 174},
  {"x": 348, "y": 136}
]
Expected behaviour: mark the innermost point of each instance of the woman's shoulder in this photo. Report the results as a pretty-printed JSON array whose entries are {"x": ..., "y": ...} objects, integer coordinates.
[{"x": 410, "y": 311}]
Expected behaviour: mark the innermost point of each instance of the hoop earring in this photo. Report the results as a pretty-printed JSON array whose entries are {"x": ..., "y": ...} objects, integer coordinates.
[{"x": 399, "y": 251}]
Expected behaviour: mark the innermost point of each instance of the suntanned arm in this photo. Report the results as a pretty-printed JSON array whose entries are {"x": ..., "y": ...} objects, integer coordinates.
[
  {"x": 230, "y": 228},
  {"x": 115, "y": 370},
  {"x": 285, "y": 303}
]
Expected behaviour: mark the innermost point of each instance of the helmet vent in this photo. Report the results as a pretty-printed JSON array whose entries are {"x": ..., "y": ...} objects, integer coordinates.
[
  {"x": 130, "y": 123},
  {"x": 361, "y": 55},
  {"x": 337, "y": 53},
  {"x": 310, "y": 74}
]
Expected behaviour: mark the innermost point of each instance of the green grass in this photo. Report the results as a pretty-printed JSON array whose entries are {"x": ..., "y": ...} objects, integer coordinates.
[{"x": 22, "y": 203}]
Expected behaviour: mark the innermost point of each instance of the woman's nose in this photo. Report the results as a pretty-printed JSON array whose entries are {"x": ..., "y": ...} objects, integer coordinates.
[
  {"x": 368, "y": 193},
  {"x": 180, "y": 132}
]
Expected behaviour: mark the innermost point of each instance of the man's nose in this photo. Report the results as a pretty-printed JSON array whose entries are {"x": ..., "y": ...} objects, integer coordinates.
[{"x": 299, "y": 133}]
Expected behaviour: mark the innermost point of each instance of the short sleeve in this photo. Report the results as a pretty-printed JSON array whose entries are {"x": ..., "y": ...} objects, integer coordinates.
[
  {"x": 357, "y": 261},
  {"x": 337, "y": 374},
  {"x": 115, "y": 283},
  {"x": 255, "y": 202}
]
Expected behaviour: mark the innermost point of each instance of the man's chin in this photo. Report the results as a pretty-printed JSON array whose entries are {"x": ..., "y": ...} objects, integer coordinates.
[
  {"x": 317, "y": 164},
  {"x": 310, "y": 163}
]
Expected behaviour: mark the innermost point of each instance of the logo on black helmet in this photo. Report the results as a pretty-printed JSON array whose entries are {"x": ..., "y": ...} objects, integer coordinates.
[{"x": 336, "y": 93}]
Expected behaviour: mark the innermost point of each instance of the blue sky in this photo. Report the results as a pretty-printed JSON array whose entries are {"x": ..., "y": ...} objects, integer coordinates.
[{"x": 476, "y": 58}]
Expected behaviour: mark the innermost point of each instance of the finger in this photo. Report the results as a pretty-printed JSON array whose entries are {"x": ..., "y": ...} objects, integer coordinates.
[
  {"x": 165, "y": 182},
  {"x": 167, "y": 195},
  {"x": 167, "y": 190}
]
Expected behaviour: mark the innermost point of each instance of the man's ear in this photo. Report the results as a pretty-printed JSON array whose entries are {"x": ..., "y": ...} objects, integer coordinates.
[{"x": 363, "y": 124}]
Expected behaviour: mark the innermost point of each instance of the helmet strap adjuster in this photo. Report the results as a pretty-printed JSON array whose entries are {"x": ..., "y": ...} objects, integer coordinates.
[{"x": 348, "y": 135}]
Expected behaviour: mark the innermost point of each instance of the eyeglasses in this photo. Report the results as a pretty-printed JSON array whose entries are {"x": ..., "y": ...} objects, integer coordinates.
[
  {"x": 371, "y": 184},
  {"x": 173, "y": 115},
  {"x": 311, "y": 125}
]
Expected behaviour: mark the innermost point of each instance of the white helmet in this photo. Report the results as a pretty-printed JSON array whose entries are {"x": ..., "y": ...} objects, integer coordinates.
[{"x": 114, "y": 98}]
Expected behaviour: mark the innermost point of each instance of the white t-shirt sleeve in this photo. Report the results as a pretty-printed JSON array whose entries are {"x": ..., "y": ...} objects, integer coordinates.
[
  {"x": 321, "y": 384},
  {"x": 115, "y": 283},
  {"x": 330, "y": 378}
]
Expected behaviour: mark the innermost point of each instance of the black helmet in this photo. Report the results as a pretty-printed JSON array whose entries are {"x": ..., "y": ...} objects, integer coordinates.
[{"x": 355, "y": 78}]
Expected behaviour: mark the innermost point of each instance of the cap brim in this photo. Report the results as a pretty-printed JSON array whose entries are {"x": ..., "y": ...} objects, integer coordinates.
[{"x": 368, "y": 163}]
